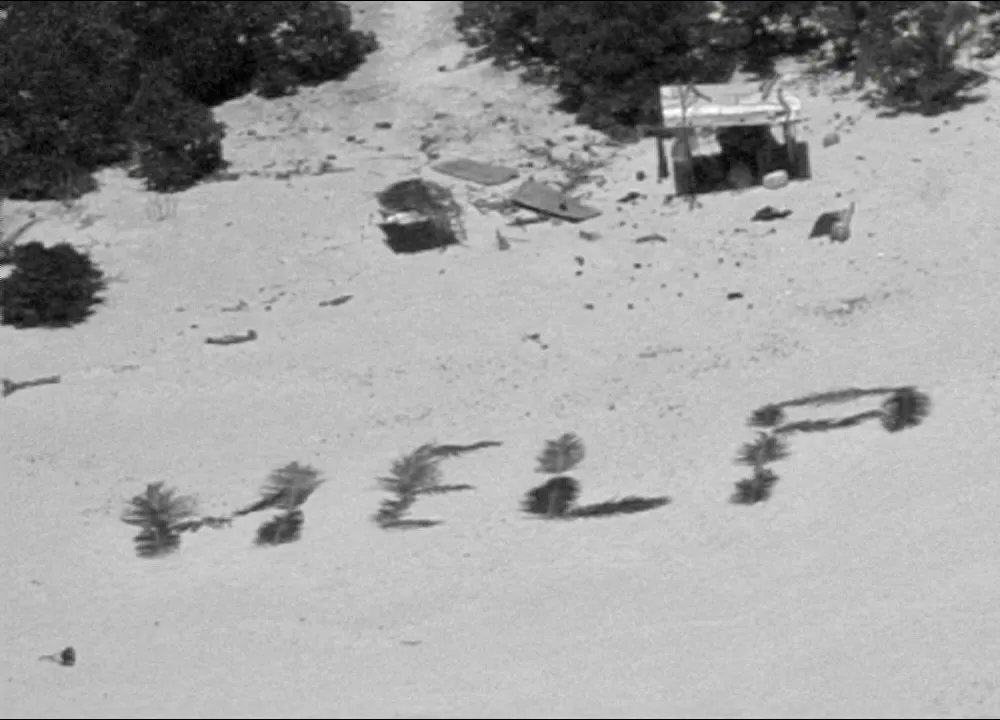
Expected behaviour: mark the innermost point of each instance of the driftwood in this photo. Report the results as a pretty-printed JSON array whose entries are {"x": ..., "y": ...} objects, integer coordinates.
[
  {"x": 655, "y": 237},
  {"x": 66, "y": 658},
  {"x": 232, "y": 339},
  {"x": 336, "y": 301},
  {"x": 10, "y": 387}
]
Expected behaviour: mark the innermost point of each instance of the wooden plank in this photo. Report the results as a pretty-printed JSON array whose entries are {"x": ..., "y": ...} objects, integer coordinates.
[
  {"x": 478, "y": 172},
  {"x": 546, "y": 199}
]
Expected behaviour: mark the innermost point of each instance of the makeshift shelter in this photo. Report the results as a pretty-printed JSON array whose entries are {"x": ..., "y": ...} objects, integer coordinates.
[{"x": 722, "y": 135}]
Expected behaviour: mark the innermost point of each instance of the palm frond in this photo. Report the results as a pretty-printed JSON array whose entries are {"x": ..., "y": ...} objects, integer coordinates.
[
  {"x": 393, "y": 510},
  {"x": 756, "y": 488},
  {"x": 449, "y": 451},
  {"x": 827, "y": 424},
  {"x": 552, "y": 499},
  {"x": 626, "y": 506},
  {"x": 156, "y": 541},
  {"x": 198, "y": 523},
  {"x": 905, "y": 408},
  {"x": 288, "y": 487},
  {"x": 158, "y": 507},
  {"x": 445, "y": 489},
  {"x": 283, "y": 528},
  {"x": 767, "y": 416},
  {"x": 414, "y": 473},
  {"x": 831, "y": 397},
  {"x": 765, "y": 449},
  {"x": 561, "y": 455}
]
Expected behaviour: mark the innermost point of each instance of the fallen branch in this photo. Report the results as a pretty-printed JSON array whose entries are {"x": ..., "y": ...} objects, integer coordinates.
[
  {"x": 336, "y": 301},
  {"x": 655, "y": 237},
  {"x": 10, "y": 387},
  {"x": 232, "y": 339}
]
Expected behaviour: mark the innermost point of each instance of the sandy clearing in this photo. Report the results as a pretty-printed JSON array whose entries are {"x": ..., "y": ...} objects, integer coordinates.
[{"x": 865, "y": 588}]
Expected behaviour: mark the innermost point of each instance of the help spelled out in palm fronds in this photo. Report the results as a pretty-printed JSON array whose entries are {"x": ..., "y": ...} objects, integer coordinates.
[
  {"x": 902, "y": 408},
  {"x": 416, "y": 474},
  {"x": 557, "y": 497}
]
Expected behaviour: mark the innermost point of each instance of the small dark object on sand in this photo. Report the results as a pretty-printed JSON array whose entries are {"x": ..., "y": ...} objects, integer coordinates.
[
  {"x": 10, "y": 387},
  {"x": 336, "y": 301},
  {"x": 232, "y": 339},
  {"x": 768, "y": 213},
  {"x": 655, "y": 237},
  {"x": 554, "y": 499},
  {"x": 66, "y": 658}
]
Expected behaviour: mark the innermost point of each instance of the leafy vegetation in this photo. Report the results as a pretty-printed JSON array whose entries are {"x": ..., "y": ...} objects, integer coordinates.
[
  {"x": 49, "y": 287},
  {"x": 415, "y": 474},
  {"x": 607, "y": 58},
  {"x": 556, "y": 498},
  {"x": 98, "y": 81},
  {"x": 553, "y": 499},
  {"x": 903, "y": 407},
  {"x": 161, "y": 515},
  {"x": 285, "y": 490},
  {"x": 767, "y": 448}
]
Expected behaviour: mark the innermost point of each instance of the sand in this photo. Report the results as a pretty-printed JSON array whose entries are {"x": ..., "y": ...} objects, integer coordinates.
[{"x": 866, "y": 587}]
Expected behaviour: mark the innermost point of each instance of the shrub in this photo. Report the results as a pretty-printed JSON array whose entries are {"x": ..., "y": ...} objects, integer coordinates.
[
  {"x": 27, "y": 176},
  {"x": 207, "y": 47},
  {"x": 177, "y": 139},
  {"x": 52, "y": 287},
  {"x": 911, "y": 49},
  {"x": 275, "y": 81},
  {"x": 71, "y": 68},
  {"x": 220, "y": 50},
  {"x": 67, "y": 69},
  {"x": 314, "y": 42},
  {"x": 607, "y": 59},
  {"x": 771, "y": 30},
  {"x": 507, "y": 32}
]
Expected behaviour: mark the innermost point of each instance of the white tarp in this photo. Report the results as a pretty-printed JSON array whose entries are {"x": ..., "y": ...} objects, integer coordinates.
[{"x": 713, "y": 106}]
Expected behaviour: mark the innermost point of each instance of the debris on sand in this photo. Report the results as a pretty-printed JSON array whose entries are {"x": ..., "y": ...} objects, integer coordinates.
[
  {"x": 66, "y": 658},
  {"x": 769, "y": 213},
  {"x": 654, "y": 237},
  {"x": 10, "y": 387},
  {"x": 336, "y": 301},
  {"x": 420, "y": 215},
  {"x": 232, "y": 339}
]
